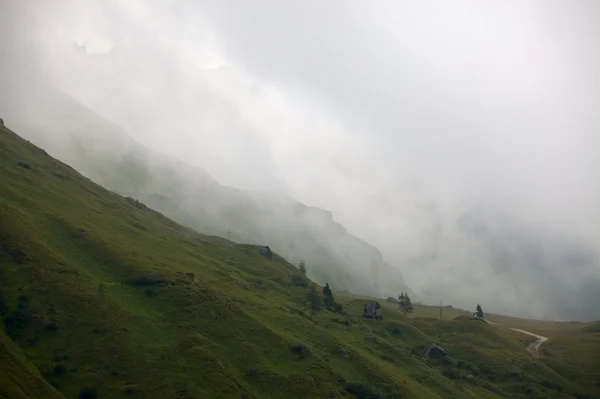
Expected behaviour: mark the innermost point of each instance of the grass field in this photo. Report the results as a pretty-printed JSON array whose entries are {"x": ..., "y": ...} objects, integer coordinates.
[{"x": 102, "y": 297}]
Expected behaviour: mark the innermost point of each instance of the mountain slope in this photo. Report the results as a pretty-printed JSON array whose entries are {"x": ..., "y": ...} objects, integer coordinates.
[
  {"x": 188, "y": 195},
  {"x": 109, "y": 275},
  {"x": 19, "y": 379},
  {"x": 106, "y": 296}
]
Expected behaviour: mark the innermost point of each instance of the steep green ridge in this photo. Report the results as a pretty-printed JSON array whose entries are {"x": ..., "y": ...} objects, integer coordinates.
[
  {"x": 105, "y": 296},
  {"x": 105, "y": 153}
]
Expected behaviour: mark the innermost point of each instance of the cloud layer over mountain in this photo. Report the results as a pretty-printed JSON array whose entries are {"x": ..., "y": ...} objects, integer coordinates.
[{"x": 461, "y": 139}]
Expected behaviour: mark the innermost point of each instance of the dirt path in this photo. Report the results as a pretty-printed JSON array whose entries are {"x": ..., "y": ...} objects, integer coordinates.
[{"x": 533, "y": 347}]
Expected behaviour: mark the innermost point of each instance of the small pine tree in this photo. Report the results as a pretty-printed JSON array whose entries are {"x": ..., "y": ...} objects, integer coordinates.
[
  {"x": 401, "y": 301},
  {"x": 479, "y": 312},
  {"x": 313, "y": 299},
  {"x": 328, "y": 297},
  {"x": 302, "y": 267},
  {"x": 408, "y": 306}
]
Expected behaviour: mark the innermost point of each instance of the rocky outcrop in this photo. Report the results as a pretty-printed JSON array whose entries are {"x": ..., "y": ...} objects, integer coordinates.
[
  {"x": 344, "y": 353},
  {"x": 266, "y": 252},
  {"x": 372, "y": 310},
  {"x": 435, "y": 351}
]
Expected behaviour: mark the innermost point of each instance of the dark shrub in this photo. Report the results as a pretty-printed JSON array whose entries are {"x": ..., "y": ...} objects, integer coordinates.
[
  {"x": 344, "y": 322},
  {"x": 60, "y": 369},
  {"x": 62, "y": 177},
  {"x": 99, "y": 330},
  {"x": 417, "y": 350},
  {"x": 299, "y": 281},
  {"x": 301, "y": 350},
  {"x": 526, "y": 389},
  {"x": 449, "y": 373},
  {"x": 52, "y": 326},
  {"x": 252, "y": 372},
  {"x": 445, "y": 361},
  {"x": 551, "y": 385},
  {"x": 362, "y": 392},
  {"x": 466, "y": 366},
  {"x": 88, "y": 393},
  {"x": 18, "y": 257},
  {"x": 337, "y": 308},
  {"x": 514, "y": 375},
  {"x": 485, "y": 370},
  {"x": 16, "y": 321},
  {"x": 23, "y": 165},
  {"x": 145, "y": 282}
]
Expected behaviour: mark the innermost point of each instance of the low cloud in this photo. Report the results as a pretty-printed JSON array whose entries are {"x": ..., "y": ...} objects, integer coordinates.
[{"x": 400, "y": 118}]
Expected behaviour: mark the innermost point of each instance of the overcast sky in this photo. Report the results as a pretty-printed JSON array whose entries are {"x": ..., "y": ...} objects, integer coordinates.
[{"x": 394, "y": 115}]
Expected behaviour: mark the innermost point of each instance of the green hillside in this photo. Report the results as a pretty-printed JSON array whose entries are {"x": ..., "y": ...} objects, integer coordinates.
[
  {"x": 106, "y": 298},
  {"x": 102, "y": 151},
  {"x": 19, "y": 378}
]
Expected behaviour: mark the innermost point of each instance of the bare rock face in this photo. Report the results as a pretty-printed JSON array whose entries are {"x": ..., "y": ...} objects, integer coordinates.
[
  {"x": 435, "y": 351},
  {"x": 266, "y": 252},
  {"x": 344, "y": 353},
  {"x": 372, "y": 310}
]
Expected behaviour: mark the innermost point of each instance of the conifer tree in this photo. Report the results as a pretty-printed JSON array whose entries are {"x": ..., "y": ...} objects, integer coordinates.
[
  {"x": 328, "y": 297},
  {"x": 401, "y": 301},
  {"x": 313, "y": 299},
  {"x": 479, "y": 312},
  {"x": 404, "y": 303},
  {"x": 408, "y": 306},
  {"x": 302, "y": 267}
]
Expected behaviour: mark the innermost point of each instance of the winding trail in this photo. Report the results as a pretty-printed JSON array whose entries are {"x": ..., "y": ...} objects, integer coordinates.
[{"x": 532, "y": 348}]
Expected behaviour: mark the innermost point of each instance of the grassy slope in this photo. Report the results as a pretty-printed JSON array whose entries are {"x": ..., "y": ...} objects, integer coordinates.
[
  {"x": 572, "y": 350},
  {"x": 19, "y": 378},
  {"x": 69, "y": 249}
]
